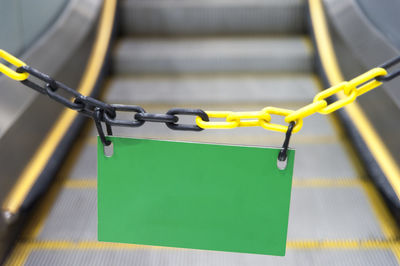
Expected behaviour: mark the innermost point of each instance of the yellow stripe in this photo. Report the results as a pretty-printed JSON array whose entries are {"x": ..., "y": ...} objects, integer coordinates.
[
  {"x": 297, "y": 182},
  {"x": 376, "y": 146},
  {"x": 327, "y": 182},
  {"x": 22, "y": 251},
  {"x": 367, "y": 132},
  {"x": 19, "y": 255},
  {"x": 38, "y": 162},
  {"x": 334, "y": 75},
  {"x": 343, "y": 244},
  {"x": 300, "y": 244},
  {"x": 324, "y": 43},
  {"x": 81, "y": 183}
]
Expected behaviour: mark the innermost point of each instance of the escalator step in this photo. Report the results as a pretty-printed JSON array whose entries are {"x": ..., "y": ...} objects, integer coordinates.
[
  {"x": 216, "y": 89},
  {"x": 172, "y": 17},
  {"x": 209, "y": 55},
  {"x": 317, "y": 213}
]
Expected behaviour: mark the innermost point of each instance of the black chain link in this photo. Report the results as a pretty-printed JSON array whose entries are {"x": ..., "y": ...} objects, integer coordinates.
[
  {"x": 182, "y": 111},
  {"x": 387, "y": 65},
  {"x": 102, "y": 112},
  {"x": 283, "y": 152}
]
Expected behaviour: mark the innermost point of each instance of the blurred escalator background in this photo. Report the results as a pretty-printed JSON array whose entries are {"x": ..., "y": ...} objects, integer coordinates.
[{"x": 214, "y": 55}]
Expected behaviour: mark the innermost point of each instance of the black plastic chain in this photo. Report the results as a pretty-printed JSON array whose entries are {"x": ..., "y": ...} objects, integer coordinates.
[
  {"x": 283, "y": 152},
  {"x": 389, "y": 64},
  {"x": 98, "y": 116},
  {"x": 102, "y": 112},
  {"x": 183, "y": 111}
]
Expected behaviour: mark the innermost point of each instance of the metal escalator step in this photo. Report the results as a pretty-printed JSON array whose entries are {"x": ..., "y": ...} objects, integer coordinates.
[
  {"x": 212, "y": 90},
  {"x": 322, "y": 161},
  {"x": 321, "y": 213},
  {"x": 209, "y": 55},
  {"x": 72, "y": 217},
  {"x": 212, "y": 17},
  {"x": 312, "y": 161},
  {"x": 183, "y": 257},
  {"x": 316, "y": 213}
]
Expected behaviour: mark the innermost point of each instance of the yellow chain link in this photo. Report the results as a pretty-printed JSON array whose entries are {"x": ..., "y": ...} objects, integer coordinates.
[
  {"x": 352, "y": 89},
  {"x": 284, "y": 113},
  {"x": 15, "y": 62},
  {"x": 249, "y": 119}
]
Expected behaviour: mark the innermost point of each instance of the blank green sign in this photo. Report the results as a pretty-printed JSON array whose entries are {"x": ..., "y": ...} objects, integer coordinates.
[{"x": 192, "y": 195}]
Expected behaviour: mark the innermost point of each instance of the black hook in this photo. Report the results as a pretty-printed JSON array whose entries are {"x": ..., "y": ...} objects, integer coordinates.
[
  {"x": 283, "y": 152},
  {"x": 98, "y": 117}
]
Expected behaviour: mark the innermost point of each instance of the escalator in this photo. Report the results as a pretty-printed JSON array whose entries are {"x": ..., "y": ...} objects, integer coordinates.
[{"x": 219, "y": 55}]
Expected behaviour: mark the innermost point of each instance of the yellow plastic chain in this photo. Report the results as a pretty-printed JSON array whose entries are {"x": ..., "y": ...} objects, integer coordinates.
[
  {"x": 352, "y": 89},
  {"x": 15, "y": 62}
]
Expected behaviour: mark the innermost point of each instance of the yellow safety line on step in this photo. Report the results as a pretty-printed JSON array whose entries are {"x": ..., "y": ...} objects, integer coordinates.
[
  {"x": 327, "y": 182},
  {"x": 297, "y": 244},
  {"x": 343, "y": 244},
  {"x": 81, "y": 183},
  {"x": 91, "y": 183},
  {"x": 23, "y": 250}
]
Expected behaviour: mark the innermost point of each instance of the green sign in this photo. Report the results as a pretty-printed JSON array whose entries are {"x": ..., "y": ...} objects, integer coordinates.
[{"x": 192, "y": 195}]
